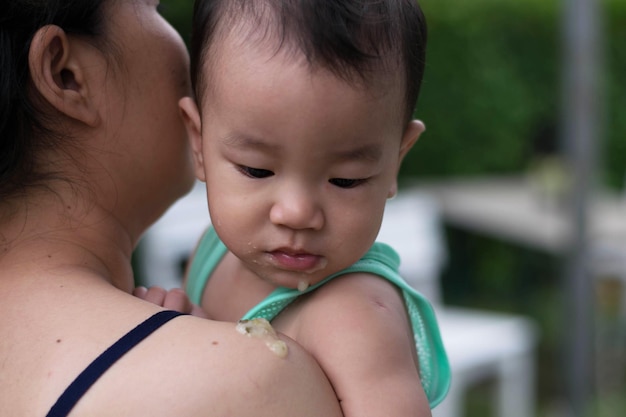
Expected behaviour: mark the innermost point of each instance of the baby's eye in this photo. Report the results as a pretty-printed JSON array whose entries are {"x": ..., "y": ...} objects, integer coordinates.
[
  {"x": 255, "y": 172},
  {"x": 346, "y": 183}
]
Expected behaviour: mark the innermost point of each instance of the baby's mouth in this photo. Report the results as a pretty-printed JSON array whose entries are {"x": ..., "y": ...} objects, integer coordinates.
[{"x": 296, "y": 261}]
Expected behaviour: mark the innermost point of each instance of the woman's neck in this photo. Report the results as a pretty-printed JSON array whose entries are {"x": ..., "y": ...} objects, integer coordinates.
[{"x": 56, "y": 232}]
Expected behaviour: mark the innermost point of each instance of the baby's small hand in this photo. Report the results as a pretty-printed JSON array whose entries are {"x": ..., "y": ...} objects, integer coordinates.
[{"x": 174, "y": 299}]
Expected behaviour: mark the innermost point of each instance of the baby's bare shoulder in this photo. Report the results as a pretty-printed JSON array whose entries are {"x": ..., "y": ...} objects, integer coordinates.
[
  {"x": 354, "y": 296},
  {"x": 358, "y": 330},
  {"x": 358, "y": 309}
]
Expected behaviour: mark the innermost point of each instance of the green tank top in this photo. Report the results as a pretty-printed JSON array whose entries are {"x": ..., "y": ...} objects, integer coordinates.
[{"x": 380, "y": 260}]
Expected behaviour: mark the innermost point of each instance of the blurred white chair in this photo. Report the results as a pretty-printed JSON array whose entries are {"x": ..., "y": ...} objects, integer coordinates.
[
  {"x": 166, "y": 246},
  {"x": 480, "y": 344}
]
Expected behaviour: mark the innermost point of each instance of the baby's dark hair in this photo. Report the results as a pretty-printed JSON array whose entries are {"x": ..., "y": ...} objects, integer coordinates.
[
  {"x": 25, "y": 129},
  {"x": 354, "y": 39}
]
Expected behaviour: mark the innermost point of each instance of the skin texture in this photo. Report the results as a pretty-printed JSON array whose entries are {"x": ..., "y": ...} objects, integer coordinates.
[
  {"x": 65, "y": 249},
  {"x": 298, "y": 165}
]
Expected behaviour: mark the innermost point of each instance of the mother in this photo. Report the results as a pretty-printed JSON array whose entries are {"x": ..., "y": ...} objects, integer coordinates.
[{"x": 92, "y": 150}]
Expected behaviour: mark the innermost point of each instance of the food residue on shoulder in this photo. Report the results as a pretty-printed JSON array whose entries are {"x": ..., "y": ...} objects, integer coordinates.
[{"x": 262, "y": 329}]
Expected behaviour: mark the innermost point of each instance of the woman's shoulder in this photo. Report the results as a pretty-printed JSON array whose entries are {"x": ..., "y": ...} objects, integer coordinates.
[
  {"x": 187, "y": 367},
  {"x": 194, "y": 367}
]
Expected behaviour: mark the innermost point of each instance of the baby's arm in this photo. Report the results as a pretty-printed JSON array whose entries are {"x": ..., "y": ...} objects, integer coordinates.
[{"x": 357, "y": 328}]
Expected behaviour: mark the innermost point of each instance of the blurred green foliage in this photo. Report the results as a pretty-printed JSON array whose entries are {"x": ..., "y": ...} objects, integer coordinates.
[
  {"x": 615, "y": 87},
  {"x": 490, "y": 86},
  {"x": 178, "y": 13},
  {"x": 492, "y": 90}
]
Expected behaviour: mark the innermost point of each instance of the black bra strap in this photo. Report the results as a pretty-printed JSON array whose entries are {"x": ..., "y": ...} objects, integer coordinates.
[{"x": 102, "y": 363}]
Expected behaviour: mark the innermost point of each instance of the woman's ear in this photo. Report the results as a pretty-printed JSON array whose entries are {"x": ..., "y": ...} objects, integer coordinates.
[
  {"x": 193, "y": 124},
  {"x": 411, "y": 134},
  {"x": 57, "y": 66}
]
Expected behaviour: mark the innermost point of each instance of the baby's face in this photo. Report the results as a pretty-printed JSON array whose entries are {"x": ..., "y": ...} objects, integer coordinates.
[{"x": 298, "y": 163}]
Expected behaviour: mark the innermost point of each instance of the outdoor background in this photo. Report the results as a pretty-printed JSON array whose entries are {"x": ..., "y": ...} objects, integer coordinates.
[{"x": 491, "y": 100}]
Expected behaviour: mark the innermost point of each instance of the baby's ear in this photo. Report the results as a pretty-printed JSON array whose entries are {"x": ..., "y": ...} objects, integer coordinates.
[
  {"x": 193, "y": 124},
  {"x": 411, "y": 134},
  {"x": 59, "y": 66}
]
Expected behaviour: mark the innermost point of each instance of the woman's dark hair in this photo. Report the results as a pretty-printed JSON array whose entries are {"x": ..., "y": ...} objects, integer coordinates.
[
  {"x": 352, "y": 38},
  {"x": 25, "y": 129}
]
